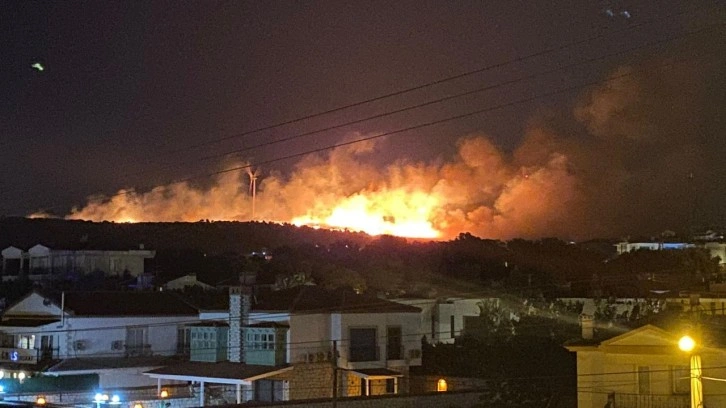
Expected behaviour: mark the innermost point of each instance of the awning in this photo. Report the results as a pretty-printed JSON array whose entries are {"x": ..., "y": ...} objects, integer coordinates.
[
  {"x": 376, "y": 373},
  {"x": 220, "y": 373}
]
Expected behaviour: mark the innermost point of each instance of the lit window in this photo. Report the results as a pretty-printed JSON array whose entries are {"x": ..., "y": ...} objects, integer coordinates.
[{"x": 442, "y": 386}]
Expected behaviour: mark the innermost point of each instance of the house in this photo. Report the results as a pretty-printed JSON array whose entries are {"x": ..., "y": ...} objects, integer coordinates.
[
  {"x": 715, "y": 249},
  {"x": 40, "y": 262},
  {"x": 186, "y": 281},
  {"x": 444, "y": 320},
  {"x": 301, "y": 343},
  {"x": 644, "y": 367},
  {"x": 114, "y": 335}
]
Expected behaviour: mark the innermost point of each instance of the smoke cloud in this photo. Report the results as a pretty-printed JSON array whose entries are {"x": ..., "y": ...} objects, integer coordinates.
[{"x": 630, "y": 158}]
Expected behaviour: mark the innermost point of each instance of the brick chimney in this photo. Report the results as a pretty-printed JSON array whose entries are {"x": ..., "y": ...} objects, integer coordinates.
[
  {"x": 588, "y": 326},
  {"x": 239, "y": 316}
]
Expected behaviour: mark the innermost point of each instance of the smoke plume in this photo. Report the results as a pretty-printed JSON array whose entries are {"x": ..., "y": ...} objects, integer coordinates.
[{"x": 628, "y": 159}]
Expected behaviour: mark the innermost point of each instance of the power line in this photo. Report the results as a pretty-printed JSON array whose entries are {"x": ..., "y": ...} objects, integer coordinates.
[
  {"x": 414, "y": 127},
  {"x": 444, "y": 80},
  {"x": 435, "y": 101},
  {"x": 402, "y": 130}
]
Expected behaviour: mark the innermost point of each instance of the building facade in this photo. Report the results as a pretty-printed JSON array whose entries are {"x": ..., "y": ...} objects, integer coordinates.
[
  {"x": 117, "y": 335},
  {"x": 644, "y": 367},
  {"x": 41, "y": 262}
]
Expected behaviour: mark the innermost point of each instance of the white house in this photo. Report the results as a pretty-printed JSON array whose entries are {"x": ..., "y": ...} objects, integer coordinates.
[
  {"x": 292, "y": 343},
  {"x": 40, "y": 262},
  {"x": 116, "y": 335},
  {"x": 442, "y": 320},
  {"x": 644, "y": 367}
]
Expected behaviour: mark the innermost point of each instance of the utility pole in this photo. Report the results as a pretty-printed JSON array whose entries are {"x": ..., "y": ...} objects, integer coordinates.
[{"x": 335, "y": 373}]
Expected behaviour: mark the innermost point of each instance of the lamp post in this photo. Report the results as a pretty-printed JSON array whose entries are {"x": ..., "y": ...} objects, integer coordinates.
[{"x": 687, "y": 344}]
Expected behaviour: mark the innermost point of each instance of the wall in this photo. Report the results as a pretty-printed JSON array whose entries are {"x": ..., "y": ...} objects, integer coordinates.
[
  {"x": 309, "y": 333},
  {"x": 99, "y": 333},
  {"x": 410, "y": 330},
  {"x": 310, "y": 381},
  {"x": 435, "y": 316},
  {"x": 600, "y": 373},
  {"x": 422, "y": 384},
  {"x": 464, "y": 399}
]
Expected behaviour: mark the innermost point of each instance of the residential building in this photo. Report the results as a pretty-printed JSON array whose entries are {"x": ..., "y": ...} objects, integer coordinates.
[
  {"x": 186, "y": 281},
  {"x": 299, "y": 343},
  {"x": 40, "y": 262},
  {"x": 644, "y": 367},
  {"x": 443, "y": 320},
  {"x": 116, "y": 335},
  {"x": 715, "y": 249}
]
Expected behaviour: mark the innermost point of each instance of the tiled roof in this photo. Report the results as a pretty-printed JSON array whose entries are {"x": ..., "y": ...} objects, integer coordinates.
[
  {"x": 314, "y": 299},
  {"x": 127, "y": 304}
]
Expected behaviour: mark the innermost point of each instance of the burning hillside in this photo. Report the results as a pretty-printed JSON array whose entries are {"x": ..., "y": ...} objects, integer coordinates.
[{"x": 621, "y": 165}]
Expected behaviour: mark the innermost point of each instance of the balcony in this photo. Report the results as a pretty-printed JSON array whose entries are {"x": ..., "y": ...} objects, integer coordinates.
[
  {"x": 364, "y": 353},
  {"x": 26, "y": 356},
  {"x": 651, "y": 401}
]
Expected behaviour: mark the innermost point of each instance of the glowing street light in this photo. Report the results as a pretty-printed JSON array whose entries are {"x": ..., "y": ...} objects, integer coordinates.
[
  {"x": 100, "y": 399},
  {"x": 688, "y": 344}
]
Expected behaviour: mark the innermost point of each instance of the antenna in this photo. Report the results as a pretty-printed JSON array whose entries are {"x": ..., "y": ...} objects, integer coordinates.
[{"x": 253, "y": 186}]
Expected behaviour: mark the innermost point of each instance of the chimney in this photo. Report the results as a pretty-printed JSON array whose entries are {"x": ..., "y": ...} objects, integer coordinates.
[
  {"x": 588, "y": 326},
  {"x": 239, "y": 313}
]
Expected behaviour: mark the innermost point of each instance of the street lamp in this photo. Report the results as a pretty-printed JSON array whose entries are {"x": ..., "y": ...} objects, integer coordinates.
[
  {"x": 688, "y": 344},
  {"x": 100, "y": 399}
]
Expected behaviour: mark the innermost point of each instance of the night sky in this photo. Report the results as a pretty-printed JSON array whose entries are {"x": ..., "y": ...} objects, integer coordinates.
[{"x": 140, "y": 94}]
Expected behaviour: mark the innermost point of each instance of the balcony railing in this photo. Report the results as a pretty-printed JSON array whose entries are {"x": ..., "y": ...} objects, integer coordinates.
[
  {"x": 26, "y": 356},
  {"x": 364, "y": 353},
  {"x": 651, "y": 401},
  {"x": 136, "y": 350}
]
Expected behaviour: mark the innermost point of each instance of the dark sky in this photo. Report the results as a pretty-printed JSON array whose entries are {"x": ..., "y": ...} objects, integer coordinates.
[{"x": 135, "y": 94}]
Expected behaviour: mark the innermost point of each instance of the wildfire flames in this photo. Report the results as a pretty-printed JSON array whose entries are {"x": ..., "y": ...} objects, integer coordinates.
[
  {"x": 479, "y": 191},
  {"x": 397, "y": 213},
  {"x": 552, "y": 184}
]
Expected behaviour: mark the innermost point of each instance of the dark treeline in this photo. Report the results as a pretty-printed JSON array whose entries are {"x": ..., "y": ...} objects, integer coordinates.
[{"x": 219, "y": 251}]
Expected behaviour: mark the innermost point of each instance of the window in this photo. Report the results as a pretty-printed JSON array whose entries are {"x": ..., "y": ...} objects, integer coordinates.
[
  {"x": 681, "y": 379},
  {"x": 643, "y": 380},
  {"x": 363, "y": 344},
  {"x": 26, "y": 341},
  {"x": 183, "y": 340},
  {"x": 7, "y": 340},
  {"x": 136, "y": 339},
  {"x": 441, "y": 385},
  {"x": 452, "y": 322},
  {"x": 46, "y": 342},
  {"x": 394, "y": 346},
  {"x": 262, "y": 339}
]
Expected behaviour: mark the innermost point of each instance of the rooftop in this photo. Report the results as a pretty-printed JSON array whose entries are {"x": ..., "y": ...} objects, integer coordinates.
[
  {"x": 119, "y": 303},
  {"x": 314, "y": 299}
]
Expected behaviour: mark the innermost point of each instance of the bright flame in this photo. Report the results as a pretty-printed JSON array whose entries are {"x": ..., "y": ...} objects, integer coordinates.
[{"x": 392, "y": 213}]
